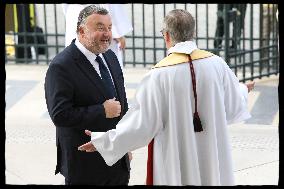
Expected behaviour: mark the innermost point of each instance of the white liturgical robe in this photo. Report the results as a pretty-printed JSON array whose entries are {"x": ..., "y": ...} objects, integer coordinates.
[{"x": 163, "y": 110}]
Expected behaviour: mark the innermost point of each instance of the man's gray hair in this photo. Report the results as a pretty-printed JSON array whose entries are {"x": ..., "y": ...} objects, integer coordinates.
[
  {"x": 87, "y": 11},
  {"x": 180, "y": 24}
]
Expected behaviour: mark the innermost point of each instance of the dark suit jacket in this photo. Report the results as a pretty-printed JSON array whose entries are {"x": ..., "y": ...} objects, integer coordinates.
[{"x": 74, "y": 96}]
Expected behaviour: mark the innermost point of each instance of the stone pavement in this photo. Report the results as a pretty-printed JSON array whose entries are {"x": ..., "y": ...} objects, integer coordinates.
[{"x": 30, "y": 135}]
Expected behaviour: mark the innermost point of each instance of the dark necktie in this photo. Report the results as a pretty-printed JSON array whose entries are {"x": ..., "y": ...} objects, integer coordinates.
[{"x": 106, "y": 77}]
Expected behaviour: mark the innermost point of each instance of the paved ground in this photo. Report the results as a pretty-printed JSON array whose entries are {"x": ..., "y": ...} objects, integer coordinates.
[{"x": 30, "y": 135}]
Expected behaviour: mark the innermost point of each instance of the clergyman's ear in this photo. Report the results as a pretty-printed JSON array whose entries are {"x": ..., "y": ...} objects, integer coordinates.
[{"x": 167, "y": 37}]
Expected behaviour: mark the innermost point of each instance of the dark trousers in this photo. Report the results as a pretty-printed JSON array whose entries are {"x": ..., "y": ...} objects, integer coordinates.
[
  {"x": 238, "y": 23},
  {"x": 117, "y": 177}
]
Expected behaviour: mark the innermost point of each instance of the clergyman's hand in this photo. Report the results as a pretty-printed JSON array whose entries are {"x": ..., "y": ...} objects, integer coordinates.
[
  {"x": 112, "y": 108},
  {"x": 88, "y": 147},
  {"x": 250, "y": 86}
]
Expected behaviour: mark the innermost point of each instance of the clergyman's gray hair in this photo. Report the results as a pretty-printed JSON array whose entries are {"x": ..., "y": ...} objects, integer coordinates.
[
  {"x": 87, "y": 11},
  {"x": 180, "y": 24}
]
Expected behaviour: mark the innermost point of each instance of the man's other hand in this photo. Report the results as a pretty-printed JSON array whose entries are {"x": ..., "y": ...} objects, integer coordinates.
[{"x": 112, "y": 108}]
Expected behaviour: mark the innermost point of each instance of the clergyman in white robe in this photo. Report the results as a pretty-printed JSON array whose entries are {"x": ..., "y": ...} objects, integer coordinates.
[
  {"x": 163, "y": 109},
  {"x": 121, "y": 25}
]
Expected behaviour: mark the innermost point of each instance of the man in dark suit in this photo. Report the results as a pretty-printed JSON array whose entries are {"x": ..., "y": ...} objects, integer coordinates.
[
  {"x": 83, "y": 92},
  {"x": 237, "y": 16}
]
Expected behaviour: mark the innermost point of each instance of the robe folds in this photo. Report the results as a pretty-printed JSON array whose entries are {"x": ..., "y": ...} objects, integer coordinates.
[{"x": 163, "y": 110}]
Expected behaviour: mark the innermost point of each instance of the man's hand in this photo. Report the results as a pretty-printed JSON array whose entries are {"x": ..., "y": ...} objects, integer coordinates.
[
  {"x": 121, "y": 40},
  {"x": 88, "y": 147},
  {"x": 112, "y": 108},
  {"x": 250, "y": 86}
]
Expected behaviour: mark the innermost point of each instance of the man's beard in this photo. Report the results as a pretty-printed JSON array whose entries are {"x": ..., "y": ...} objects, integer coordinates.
[{"x": 98, "y": 47}]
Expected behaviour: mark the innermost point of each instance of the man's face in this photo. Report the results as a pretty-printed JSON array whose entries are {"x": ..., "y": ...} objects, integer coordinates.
[{"x": 96, "y": 33}]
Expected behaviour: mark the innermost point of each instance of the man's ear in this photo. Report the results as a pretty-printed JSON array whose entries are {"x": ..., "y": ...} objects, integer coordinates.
[{"x": 81, "y": 30}]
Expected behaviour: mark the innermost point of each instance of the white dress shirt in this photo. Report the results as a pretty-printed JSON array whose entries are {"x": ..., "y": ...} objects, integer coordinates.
[{"x": 92, "y": 57}]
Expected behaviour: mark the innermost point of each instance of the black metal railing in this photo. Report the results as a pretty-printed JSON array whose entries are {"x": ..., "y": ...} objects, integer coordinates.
[{"x": 245, "y": 35}]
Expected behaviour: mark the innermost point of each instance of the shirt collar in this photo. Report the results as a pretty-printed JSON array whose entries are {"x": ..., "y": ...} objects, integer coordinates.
[
  {"x": 185, "y": 47},
  {"x": 90, "y": 56}
]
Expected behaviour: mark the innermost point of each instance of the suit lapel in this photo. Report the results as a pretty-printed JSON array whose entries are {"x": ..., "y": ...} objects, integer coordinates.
[{"x": 86, "y": 67}]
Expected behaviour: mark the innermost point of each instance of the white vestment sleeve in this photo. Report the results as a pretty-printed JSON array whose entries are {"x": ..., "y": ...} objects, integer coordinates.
[
  {"x": 71, "y": 16},
  {"x": 137, "y": 128},
  {"x": 236, "y": 95},
  {"x": 244, "y": 91},
  {"x": 64, "y": 8},
  {"x": 121, "y": 25}
]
